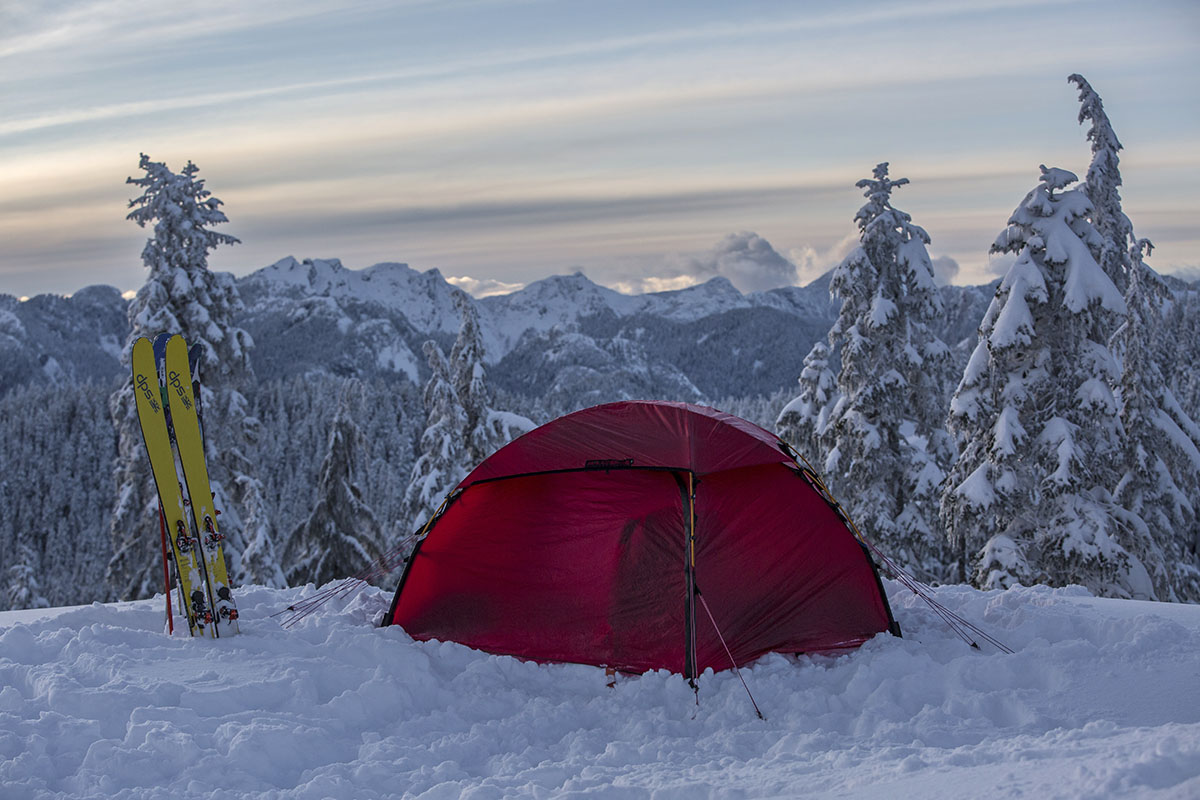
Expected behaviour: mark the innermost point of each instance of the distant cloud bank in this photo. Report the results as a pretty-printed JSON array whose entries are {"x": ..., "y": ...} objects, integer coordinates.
[{"x": 483, "y": 287}]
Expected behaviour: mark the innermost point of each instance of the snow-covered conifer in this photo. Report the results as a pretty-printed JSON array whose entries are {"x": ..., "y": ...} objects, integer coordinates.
[
  {"x": 342, "y": 536},
  {"x": 885, "y": 452},
  {"x": 1181, "y": 349},
  {"x": 802, "y": 421},
  {"x": 487, "y": 428},
  {"x": 1102, "y": 186},
  {"x": 259, "y": 563},
  {"x": 24, "y": 590},
  {"x": 182, "y": 296},
  {"x": 1161, "y": 457},
  {"x": 1036, "y": 421},
  {"x": 442, "y": 459},
  {"x": 461, "y": 427}
]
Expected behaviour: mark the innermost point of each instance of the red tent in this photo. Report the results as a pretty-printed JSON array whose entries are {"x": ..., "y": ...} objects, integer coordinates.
[{"x": 609, "y": 535}]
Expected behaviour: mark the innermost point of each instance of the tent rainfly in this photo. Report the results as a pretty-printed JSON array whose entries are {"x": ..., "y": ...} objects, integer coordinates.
[{"x": 641, "y": 536}]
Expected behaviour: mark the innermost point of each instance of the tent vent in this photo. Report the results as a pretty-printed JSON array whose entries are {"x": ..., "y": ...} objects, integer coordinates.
[{"x": 607, "y": 463}]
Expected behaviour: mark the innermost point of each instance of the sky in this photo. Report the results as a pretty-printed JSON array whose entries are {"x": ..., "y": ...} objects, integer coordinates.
[{"x": 650, "y": 145}]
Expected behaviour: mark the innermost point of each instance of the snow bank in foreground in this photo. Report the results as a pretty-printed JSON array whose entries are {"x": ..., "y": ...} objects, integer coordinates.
[{"x": 1101, "y": 699}]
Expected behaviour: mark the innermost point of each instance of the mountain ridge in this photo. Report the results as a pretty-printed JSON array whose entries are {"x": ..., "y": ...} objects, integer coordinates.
[{"x": 702, "y": 342}]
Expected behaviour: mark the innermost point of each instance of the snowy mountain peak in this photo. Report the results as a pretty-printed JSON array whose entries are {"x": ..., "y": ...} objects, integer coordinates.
[
  {"x": 424, "y": 299},
  {"x": 686, "y": 305},
  {"x": 558, "y": 301},
  {"x": 314, "y": 274}
]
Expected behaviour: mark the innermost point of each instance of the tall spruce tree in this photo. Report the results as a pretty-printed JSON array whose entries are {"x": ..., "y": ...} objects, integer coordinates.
[
  {"x": 1028, "y": 499},
  {"x": 182, "y": 296},
  {"x": 1158, "y": 485},
  {"x": 885, "y": 450},
  {"x": 1102, "y": 186}
]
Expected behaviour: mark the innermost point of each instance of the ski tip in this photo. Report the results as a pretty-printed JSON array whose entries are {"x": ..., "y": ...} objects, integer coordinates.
[{"x": 160, "y": 344}]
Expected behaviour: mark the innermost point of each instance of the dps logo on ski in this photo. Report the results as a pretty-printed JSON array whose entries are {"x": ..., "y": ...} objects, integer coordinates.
[
  {"x": 143, "y": 386},
  {"x": 178, "y": 387}
]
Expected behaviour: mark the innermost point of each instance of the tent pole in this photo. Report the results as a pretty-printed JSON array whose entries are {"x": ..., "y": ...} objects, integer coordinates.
[
  {"x": 687, "y": 497},
  {"x": 692, "y": 666}
]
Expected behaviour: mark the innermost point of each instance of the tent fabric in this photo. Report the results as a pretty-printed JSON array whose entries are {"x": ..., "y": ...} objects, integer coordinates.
[{"x": 584, "y": 540}]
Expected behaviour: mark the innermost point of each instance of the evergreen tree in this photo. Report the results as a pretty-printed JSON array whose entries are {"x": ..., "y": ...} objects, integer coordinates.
[
  {"x": 1181, "y": 349},
  {"x": 342, "y": 536},
  {"x": 885, "y": 454},
  {"x": 1161, "y": 457},
  {"x": 1102, "y": 186},
  {"x": 442, "y": 460},
  {"x": 802, "y": 421},
  {"x": 258, "y": 563},
  {"x": 24, "y": 589},
  {"x": 1028, "y": 500},
  {"x": 487, "y": 429},
  {"x": 1159, "y": 477},
  {"x": 182, "y": 296},
  {"x": 461, "y": 427}
]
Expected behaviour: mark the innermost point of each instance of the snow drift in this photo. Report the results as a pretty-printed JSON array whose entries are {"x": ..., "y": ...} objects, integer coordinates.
[{"x": 1099, "y": 700}]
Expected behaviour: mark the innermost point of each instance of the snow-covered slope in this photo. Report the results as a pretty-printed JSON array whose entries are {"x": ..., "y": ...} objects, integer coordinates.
[
  {"x": 555, "y": 302},
  {"x": 54, "y": 339},
  {"x": 1100, "y": 700},
  {"x": 423, "y": 297}
]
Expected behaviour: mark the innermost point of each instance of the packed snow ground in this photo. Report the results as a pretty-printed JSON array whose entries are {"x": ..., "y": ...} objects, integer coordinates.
[{"x": 1101, "y": 699}]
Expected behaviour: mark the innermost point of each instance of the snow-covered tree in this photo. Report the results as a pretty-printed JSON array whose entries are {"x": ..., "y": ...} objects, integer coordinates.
[
  {"x": 341, "y": 536},
  {"x": 461, "y": 427},
  {"x": 487, "y": 429},
  {"x": 1181, "y": 349},
  {"x": 1102, "y": 186},
  {"x": 802, "y": 421},
  {"x": 259, "y": 563},
  {"x": 1036, "y": 420},
  {"x": 885, "y": 451},
  {"x": 1161, "y": 458},
  {"x": 24, "y": 590},
  {"x": 442, "y": 460},
  {"x": 182, "y": 296}
]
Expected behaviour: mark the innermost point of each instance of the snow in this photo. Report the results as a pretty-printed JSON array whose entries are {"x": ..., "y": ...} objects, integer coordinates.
[
  {"x": 1099, "y": 700},
  {"x": 1086, "y": 281},
  {"x": 977, "y": 488},
  {"x": 423, "y": 297}
]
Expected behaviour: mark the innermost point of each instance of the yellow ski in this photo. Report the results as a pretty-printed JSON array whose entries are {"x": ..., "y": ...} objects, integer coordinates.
[
  {"x": 190, "y": 445},
  {"x": 189, "y": 566}
]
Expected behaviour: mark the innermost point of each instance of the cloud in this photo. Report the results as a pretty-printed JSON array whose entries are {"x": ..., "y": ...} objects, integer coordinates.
[
  {"x": 811, "y": 263},
  {"x": 746, "y": 259},
  {"x": 945, "y": 270},
  {"x": 1185, "y": 272},
  {"x": 998, "y": 263},
  {"x": 653, "y": 284},
  {"x": 483, "y": 287}
]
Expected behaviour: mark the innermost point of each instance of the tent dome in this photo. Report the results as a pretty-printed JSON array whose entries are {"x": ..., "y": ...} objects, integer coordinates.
[{"x": 591, "y": 538}]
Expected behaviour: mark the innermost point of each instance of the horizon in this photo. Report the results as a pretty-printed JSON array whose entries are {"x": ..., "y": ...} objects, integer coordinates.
[{"x": 505, "y": 141}]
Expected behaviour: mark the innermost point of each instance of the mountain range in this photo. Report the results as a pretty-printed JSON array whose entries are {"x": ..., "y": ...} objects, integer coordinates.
[{"x": 563, "y": 339}]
